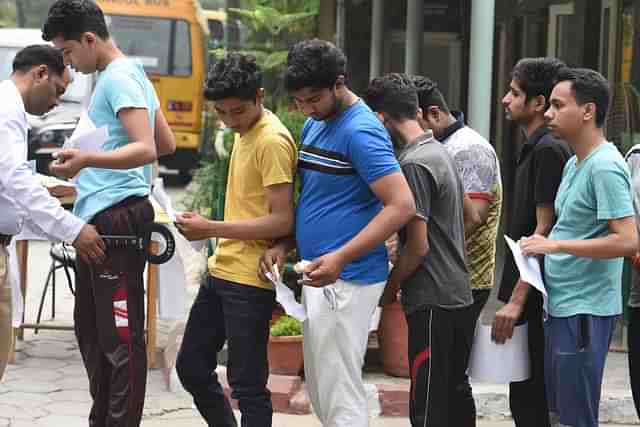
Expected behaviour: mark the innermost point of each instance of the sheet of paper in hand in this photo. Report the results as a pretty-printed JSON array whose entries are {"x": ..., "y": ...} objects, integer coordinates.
[
  {"x": 87, "y": 137},
  {"x": 529, "y": 268},
  {"x": 286, "y": 297},
  {"x": 499, "y": 363}
]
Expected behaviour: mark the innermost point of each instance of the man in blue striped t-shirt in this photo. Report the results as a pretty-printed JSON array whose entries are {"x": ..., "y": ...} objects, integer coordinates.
[{"x": 353, "y": 197}]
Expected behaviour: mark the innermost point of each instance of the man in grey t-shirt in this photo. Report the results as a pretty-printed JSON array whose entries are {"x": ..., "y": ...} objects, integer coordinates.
[
  {"x": 430, "y": 268},
  {"x": 442, "y": 279}
]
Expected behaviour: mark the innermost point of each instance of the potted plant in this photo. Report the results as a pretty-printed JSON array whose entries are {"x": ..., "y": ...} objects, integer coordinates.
[
  {"x": 285, "y": 346},
  {"x": 393, "y": 340}
]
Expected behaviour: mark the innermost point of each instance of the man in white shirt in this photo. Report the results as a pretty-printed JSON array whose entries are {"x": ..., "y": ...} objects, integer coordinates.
[{"x": 39, "y": 79}]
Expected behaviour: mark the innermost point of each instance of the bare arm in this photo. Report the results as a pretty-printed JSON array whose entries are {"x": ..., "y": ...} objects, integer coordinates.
[
  {"x": 621, "y": 242},
  {"x": 399, "y": 208},
  {"x": 139, "y": 152},
  {"x": 411, "y": 256},
  {"x": 545, "y": 218},
  {"x": 278, "y": 223},
  {"x": 165, "y": 140},
  {"x": 507, "y": 316},
  {"x": 476, "y": 214}
]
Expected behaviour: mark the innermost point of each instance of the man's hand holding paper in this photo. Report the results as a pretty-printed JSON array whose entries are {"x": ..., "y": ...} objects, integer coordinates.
[
  {"x": 538, "y": 245},
  {"x": 69, "y": 162},
  {"x": 75, "y": 154}
]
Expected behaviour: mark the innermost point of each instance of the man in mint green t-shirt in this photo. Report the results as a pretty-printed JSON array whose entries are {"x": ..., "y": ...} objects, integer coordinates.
[
  {"x": 112, "y": 187},
  {"x": 595, "y": 229}
]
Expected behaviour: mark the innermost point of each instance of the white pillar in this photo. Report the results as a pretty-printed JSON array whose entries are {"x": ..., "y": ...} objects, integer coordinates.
[
  {"x": 377, "y": 34},
  {"x": 481, "y": 65},
  {"x": 415, "y": 29}
]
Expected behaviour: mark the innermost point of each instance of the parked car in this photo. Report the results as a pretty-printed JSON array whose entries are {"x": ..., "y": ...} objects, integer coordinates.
[{"x": 48, "y": 132}]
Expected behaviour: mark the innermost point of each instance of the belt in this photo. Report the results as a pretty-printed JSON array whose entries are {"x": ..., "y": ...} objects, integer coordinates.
[{"x": 5, "y": 240}]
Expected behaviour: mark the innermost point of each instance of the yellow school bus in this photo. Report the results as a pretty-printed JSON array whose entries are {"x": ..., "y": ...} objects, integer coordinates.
[{"x": 169, "y": 38}]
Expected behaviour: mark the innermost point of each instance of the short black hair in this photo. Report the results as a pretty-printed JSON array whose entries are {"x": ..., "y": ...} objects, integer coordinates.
[
  {"x": 235, "y": 75},
  {"x": 71, "y": 18},
  {"x": 36, "y": 55},
  {"x": 394, "y": 95},
  {"x": 429, "y": 94},
  {"x": 535, "y": 76},
  {"x": 314, "y": 63},
  {"x": 588, "y": 86}
]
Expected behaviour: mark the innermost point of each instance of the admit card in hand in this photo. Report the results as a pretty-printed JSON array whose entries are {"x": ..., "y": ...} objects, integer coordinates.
[
  {"x": 87, "y": 137},
  {"x": 286, "y": 297},
  {"x": 529, "y": 268}
]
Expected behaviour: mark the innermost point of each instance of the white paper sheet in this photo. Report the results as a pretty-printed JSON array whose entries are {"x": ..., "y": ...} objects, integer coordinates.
[
  {"x": 163, "y": 198},
  {"x": 286, "y": 297},
  {"x": 529, "y": 268},
  {"x": 198, "y": 245},
  {"x": 85, "y": 125},
  {"x": 499, "y": 363},
  {"x": 17, "y": 302},
  {"x": 87, "y": 137},
  {"x": 172, "y": 283},
  {"x": 375, "y": 319}
]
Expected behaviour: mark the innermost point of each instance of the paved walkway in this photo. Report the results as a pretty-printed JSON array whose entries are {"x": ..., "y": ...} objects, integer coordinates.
[{"x": 47, "y": 386}]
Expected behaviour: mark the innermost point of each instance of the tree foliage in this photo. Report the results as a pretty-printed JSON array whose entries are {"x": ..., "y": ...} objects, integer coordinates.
[
  {"x": 7, "y": 13},
  {"x": 30, "y": 13}
]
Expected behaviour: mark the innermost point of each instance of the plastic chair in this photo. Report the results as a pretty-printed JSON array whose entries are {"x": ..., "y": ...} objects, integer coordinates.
[{"x": 62, "y": 256}]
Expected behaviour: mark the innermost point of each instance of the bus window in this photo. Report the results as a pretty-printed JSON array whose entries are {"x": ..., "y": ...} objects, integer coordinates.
[
  {"x": 182, "y": 62},
  {"x": 148, "y": 39},
  {"x": 216, "y": 33}
]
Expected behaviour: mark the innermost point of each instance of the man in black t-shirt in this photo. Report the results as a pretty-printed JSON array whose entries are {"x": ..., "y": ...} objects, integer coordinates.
[
  {"x": 430, "y": 268},
  {"x": 538, "y": 175}
]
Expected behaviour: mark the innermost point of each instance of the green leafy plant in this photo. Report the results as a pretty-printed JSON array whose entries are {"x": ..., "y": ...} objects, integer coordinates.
[
  {"x": 210, "y": 179},
  {"x": 273, "y": 27},
  {"x": 286, "y": 326}
]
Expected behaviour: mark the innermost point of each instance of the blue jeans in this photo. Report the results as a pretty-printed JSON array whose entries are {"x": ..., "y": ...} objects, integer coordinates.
[
  {"x": 240, "y": 315},
  {"x": 576, "y": 348}
]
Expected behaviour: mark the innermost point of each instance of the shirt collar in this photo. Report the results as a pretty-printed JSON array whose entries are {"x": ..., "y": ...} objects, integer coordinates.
[
  {"x": 454, "y": 127},
  {"x": 533, "y": 140},
  {"x": 425, "y": 138}
]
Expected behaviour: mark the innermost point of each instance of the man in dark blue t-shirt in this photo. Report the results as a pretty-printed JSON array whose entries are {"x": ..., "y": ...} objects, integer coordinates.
[{"x": 353, "y": 197}]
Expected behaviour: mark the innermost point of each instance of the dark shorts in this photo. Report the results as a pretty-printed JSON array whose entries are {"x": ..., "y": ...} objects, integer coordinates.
[{"x": 576, "y": 348}]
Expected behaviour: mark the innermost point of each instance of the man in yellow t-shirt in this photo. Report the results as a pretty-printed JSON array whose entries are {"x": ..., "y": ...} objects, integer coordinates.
[{"x": 235, "y": 305}]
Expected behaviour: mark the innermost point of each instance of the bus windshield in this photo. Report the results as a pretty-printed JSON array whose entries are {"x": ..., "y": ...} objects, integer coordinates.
[{"x": 163, "y": 46}]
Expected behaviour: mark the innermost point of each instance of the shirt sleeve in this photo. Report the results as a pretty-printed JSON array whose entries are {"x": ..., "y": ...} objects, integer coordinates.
[
  {"x": 612, "y": 190},
  {"x": 371, "y": 154},
  {"x": 18, "y": 182},
  {"x": 277, "y": 157},
  {"x": 548, "y": 174},
  {"x": 477, "y": 166},
  {"x": 423, "y": 188},
  {"x": 124, "y": 91}
]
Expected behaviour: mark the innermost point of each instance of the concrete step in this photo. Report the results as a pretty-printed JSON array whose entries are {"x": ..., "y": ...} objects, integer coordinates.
[{"x": 389, "y": 396}]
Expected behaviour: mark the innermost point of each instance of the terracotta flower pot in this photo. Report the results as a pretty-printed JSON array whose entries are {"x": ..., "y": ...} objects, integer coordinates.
[
  {"x": 393, "y": 340},
  {"x": 285, "y": 355}
]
